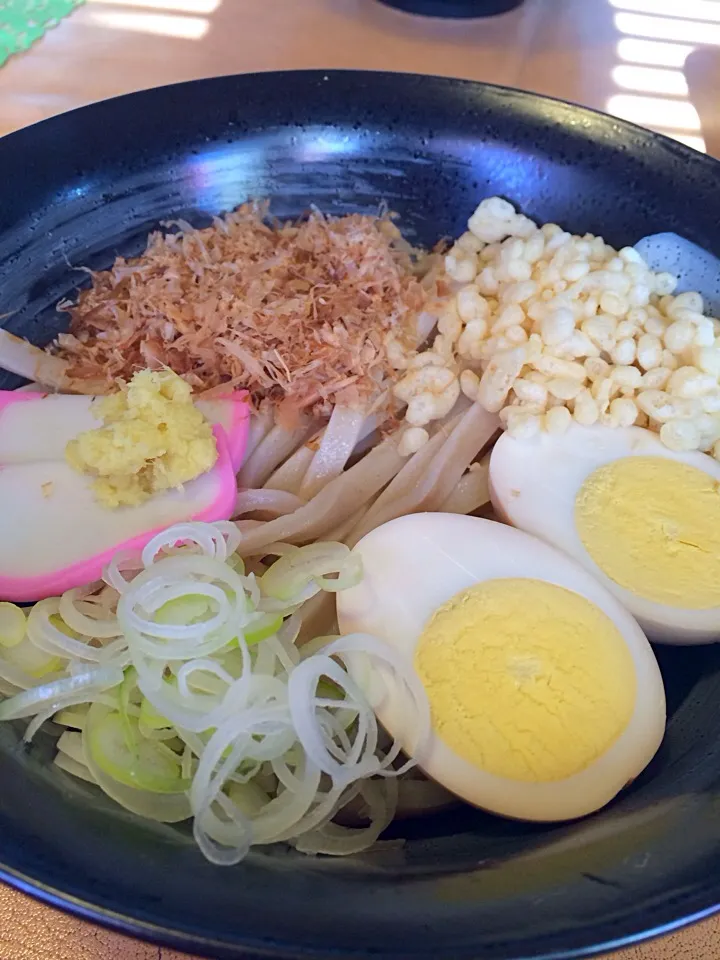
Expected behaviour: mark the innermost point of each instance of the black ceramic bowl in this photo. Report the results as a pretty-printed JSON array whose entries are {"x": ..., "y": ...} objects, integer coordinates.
[{"x": 79, "y": 189}]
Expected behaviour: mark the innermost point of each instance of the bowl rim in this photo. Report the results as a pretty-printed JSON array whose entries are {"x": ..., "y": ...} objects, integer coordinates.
[
  {"x": 219, "y": 949},
  {"x": 517, "y": 93}
]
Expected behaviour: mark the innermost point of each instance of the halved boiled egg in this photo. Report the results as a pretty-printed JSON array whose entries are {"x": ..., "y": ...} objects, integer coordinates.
[
  {"x": 545, "y": 696},
  {"x": 645, "y": 520}
]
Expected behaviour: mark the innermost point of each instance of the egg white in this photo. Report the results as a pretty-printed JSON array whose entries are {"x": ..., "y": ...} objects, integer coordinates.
[
  {"x": 534, "y": 485},
  {"x": 416, "y": 563}
]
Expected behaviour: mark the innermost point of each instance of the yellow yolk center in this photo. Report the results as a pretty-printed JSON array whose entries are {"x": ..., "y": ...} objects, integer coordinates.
[
  {"x": 526, "y": 680},
  {"x": 154, "y": 438},
  {"x": 653, "y": 526}
]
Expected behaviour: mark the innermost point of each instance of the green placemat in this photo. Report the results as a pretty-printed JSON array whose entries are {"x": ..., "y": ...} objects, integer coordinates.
[{"x": 22, "y": 22}]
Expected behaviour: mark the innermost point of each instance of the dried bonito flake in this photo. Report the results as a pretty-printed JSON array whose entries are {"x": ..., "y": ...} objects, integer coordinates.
[{"x": 297, "y": 313}]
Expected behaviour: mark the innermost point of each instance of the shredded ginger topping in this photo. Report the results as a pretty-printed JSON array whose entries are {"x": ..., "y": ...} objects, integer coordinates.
[
  {"x": 153, "y": 438},
  {"x": 295, "y": 312}
]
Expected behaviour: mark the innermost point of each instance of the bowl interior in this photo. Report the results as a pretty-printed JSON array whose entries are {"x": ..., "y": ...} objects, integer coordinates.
[{"x": 78, "y": 190}]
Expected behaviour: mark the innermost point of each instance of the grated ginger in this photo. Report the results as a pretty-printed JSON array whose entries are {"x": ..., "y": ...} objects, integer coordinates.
[{"x": 153, "y": 439}]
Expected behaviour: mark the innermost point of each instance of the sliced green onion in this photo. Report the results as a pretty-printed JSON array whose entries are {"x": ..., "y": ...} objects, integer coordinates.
[
  {"x": 60, "y": 693},
  {"x": 73, "y": 717},
  {"x": 71, "y": 744},
  {"x": 201, "y": 704},
  {"x": 50, "y": 633},
  {"x": 331, "y": 691},
  {"x": 350, "y": 576},
  {"x": 328, "y": 694},
  {"x": 75, "y": 769},
  {"x": 36, "y": 663},
  {"x": 187, "y": 609},
  {"x": 126, "y": 689},
  {"x": 162, "y": 807},
  {"x": 53, "y": 665},
  {"x": 294, "y": 576},
  {"x": 247, "y": 797},
  {"x": 151, "y": 719},
  {"x": 266, "y": 626},
  {"x": 143, "y": 766},
  {"x": 80, "y": 615},
  {"x": 232, "y": 660},
  {"x": 57, "y": 621},
  {"x": 317, "y": 644},
  {"x": 12, "y": 625},
  {"x": 236, "y": 562}
]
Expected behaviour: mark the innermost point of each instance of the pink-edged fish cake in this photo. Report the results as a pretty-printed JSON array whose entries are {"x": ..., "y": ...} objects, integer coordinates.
[
  {"x": 54, "y": 533},
  {"x": 38, "y": 426}
]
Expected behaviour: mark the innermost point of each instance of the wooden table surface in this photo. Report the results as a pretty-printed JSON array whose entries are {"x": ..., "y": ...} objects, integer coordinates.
[{"x": 656, "y": 62}]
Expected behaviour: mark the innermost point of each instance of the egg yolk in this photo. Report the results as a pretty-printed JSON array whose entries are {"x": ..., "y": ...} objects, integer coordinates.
[
  {"x": 653, "y": 526},
  {"x": 154, "y": 438},
  {"x": 526, "y": 680}
]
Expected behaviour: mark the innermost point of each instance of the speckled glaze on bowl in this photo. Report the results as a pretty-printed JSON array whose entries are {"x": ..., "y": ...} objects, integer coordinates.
[{"x": 82, "y": 187}]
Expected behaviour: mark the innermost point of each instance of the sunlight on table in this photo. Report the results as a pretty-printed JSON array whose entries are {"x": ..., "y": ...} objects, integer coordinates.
[
  {"x": 170, "y": 24},
  {"x": 172, "y": 6},
  {"x": 658, "y": 37}
]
